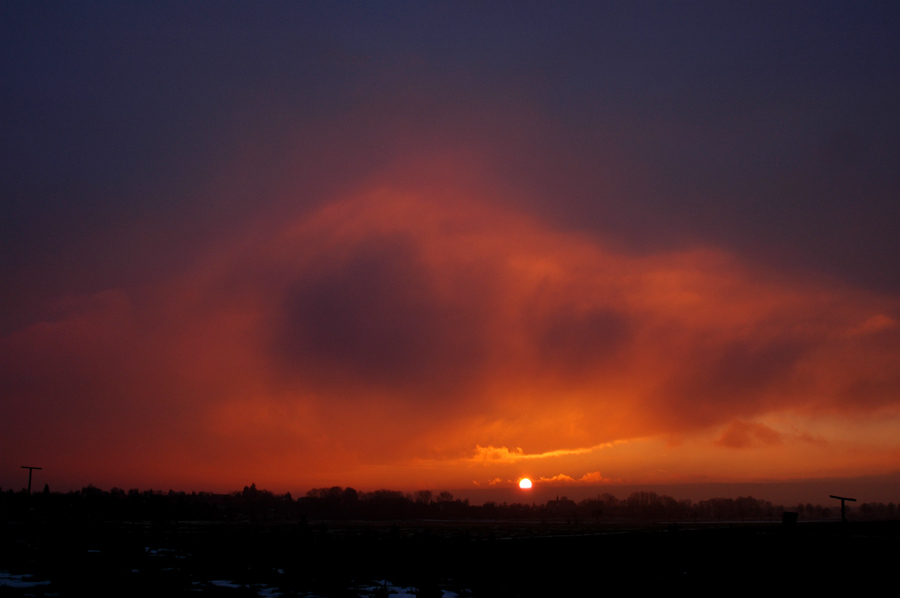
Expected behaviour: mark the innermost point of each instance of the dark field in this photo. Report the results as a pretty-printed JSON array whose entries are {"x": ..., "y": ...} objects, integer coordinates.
[{"x": 433, "y": 558}]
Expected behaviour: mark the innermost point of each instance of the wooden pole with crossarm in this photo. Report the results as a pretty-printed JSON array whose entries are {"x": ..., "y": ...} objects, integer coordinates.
[
  {"x": 842, "y": 499},
  {"x": 30, "y": 469}
]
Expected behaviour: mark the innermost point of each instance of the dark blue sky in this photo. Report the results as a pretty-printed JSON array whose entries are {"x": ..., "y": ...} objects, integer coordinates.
[{"x": 771, "y": 128}]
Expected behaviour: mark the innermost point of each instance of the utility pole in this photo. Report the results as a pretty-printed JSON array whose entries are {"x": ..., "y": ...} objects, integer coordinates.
[
  {"x": 842, "y": 499},
  {"x": 30, "y": 469}
]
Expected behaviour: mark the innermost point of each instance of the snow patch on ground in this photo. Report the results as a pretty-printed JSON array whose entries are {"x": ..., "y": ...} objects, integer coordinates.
[
  {"x": 222, "y": 583},
  {"x": 385, "y": 589},
  {"x": 8, "y": 580},
  {"x": 262, "y": 590}
]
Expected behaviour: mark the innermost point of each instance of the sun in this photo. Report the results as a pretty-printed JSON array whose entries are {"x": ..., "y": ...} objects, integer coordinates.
[{"x": 524, "y": 483}]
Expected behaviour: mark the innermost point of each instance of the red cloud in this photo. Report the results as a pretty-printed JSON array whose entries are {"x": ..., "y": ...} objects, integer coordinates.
[
  {"x": 748, "y": 434},
  {"x": 396, "y": 325}
]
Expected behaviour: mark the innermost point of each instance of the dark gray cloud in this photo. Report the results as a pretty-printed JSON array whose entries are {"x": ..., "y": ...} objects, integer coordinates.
[
  {"x": 579, "y": 344},
  {"x": 375, "y": 318},
  {"x": 730, "y": 377}
]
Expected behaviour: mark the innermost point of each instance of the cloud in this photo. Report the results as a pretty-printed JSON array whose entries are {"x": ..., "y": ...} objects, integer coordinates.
[
  {"x": 397, "y": 326},
  {"x": 495, "y": 455},
  {"x": 579, "y": 341},
  {"x": 740, "y": 435},
  {"x": 373, "y": 317},
  {"x": 876, "y": 323},
  {"x": 593, "y": 477}
]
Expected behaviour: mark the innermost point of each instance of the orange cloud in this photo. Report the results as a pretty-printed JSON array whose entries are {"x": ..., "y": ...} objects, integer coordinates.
[
  {"x": 587, "y": 479},
  {"x": 746, "y": 434},
  {"x": 382, "y": 336},
  {"x": 491, "y": 454}
]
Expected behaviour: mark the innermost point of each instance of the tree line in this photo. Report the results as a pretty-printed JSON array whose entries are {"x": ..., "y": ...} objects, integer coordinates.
[{"x": 339, "y": 503}]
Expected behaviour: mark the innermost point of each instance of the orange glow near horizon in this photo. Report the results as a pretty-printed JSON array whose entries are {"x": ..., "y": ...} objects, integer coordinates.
[
  {"x": 450, "y": 250},
  {"x": 397, "y": 339}
]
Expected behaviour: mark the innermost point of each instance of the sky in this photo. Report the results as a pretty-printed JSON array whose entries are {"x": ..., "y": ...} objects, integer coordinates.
[{"x": 441, "y": 245}]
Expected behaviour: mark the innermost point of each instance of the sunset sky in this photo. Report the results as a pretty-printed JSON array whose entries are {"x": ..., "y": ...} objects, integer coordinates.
[{"x": 417, "y": 245}]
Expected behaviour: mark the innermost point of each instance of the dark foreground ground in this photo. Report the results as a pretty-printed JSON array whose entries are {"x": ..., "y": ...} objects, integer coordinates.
[{"x": 482, "y": 559}]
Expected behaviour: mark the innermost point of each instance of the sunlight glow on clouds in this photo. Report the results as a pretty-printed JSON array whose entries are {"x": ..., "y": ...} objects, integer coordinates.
[
  {"x": 745, "y": 434},
  {"x": 396, "y": 328},
  {"x": 562, "y": 479},
  {"x": 491, "y": 454}
]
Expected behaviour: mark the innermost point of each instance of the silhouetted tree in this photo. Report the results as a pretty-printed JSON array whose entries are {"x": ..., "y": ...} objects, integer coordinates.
[{"x": 444, "y": 496}]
